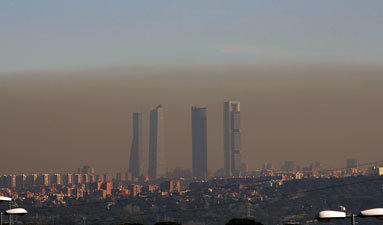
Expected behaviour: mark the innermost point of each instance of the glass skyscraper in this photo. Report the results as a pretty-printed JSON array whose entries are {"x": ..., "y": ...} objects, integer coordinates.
[
  {"x": 137, "y": 161},
  {"x": 157, "y": 155},
  {"x": 232, "y": 138},
  {"x": 199, "y": 142}
]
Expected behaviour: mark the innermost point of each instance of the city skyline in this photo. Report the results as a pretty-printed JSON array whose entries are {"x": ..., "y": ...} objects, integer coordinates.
[
  {"x": 88, "y": 174},
  {"x": 190, "y": 112},
  {"x": 70, "y": 80},
  {"x": 287, "y": 166},
  {"x": 286, "y": 110},
  {"x": 58, "y": 194}
]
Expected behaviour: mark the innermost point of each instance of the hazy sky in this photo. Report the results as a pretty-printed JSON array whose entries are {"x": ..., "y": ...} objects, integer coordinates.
[
  {"x": 42, "y": 34},
  {"x": 59, "y": 121},
  {"x": 73, "y": 72}
]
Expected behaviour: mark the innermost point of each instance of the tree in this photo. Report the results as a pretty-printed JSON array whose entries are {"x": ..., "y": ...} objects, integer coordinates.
[
  {"x": 132, "y": 223},
  {"x": 167, "y": 223},
  {"x": 243, "y": 221}
]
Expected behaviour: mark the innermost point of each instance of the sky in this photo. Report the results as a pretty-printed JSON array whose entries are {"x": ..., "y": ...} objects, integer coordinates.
[
  {"x": 80, "y": 34},
  {"x": 308, "y": 75}
]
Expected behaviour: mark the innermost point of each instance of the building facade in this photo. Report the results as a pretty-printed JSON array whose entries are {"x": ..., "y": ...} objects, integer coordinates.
[
  {"x": 199, "y": 142},
  {"x": 137, "y": 165},
  {"x": 232, "y": 138},
  {"x": 157, "y": 155},
  {"x": 352, "y": 163}
]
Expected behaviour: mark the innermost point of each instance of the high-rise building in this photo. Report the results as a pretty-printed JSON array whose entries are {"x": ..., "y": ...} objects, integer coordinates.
[
  {"x": 20, "y": 181},
  {"x": 289, "y": 166},
  {"x": 135, "y": 189},
  {"x": 232, "y": 138},
  {"x": 86, "y": 178},
  {"x": 137, "y": 161},
  {"x": 352, "y": 166},
  {"x": 3, "y": 181},
  {"x": 108, "y": 177},
  {"x": 77, "y": 178},
  {"x": 56, "y": 179},
  {"x": 352, "y": 163},
  {"x": 199, "y": 142},
  {"x": 267, "y": 166},
  {"x": 121, "y": 176},
  {"x": 12, "y": 181},
  {"x": 108, "y": 186},
  {"x": 86, "y": 170},
  {"x": 92, "y": 178},
  {"x": 100, "y": 177},
  {"x": 43, "y": 180},
  {"x": 30, "y": 180},
  {"x": 170, "y": 186},
  {"x": 157, "y": 156},
  {"x": 129, "y": 176},
  {"x": 67, "y": 178}
]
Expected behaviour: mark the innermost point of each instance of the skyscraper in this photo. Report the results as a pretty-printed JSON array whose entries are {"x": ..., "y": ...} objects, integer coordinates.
[
  {"x": 86, "y": 170},
  {"x": 137, "y": 161},
  {"x": 199, "y": 142},
  {"x": 352, "y": 163},
  {"x": 20, "y": 181},
  {"x": 157, "y": 156},
  {"x": 232, "y": 138}
]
